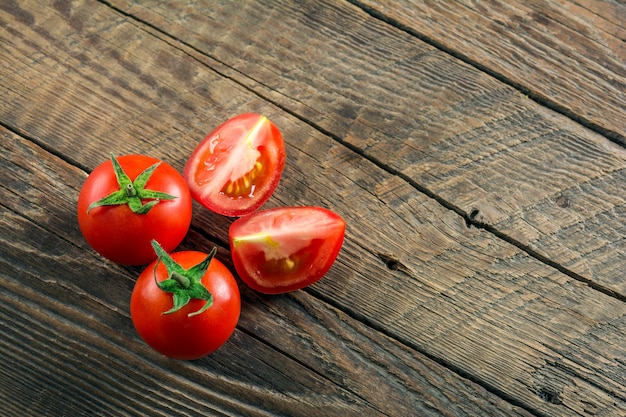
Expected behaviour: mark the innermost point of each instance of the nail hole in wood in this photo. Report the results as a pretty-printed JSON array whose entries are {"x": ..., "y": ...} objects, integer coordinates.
[
  {"x": 471, "y": 217},
  {"x": 562, "y": 201},
  {"x": 549, "y": 395},
  {"x": 391, "y": 261},
  {"x": 393, "y": 264}
]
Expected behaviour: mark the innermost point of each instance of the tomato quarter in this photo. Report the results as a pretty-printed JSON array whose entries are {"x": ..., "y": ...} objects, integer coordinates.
[
  {"x": 194, "y": 308},
  {"x": 236, "y": 168},
  {"x": 286, "y": 248},
  {"x": 128, "y": 201}
]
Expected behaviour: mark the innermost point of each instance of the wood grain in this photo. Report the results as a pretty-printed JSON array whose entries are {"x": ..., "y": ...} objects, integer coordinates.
[
  {"x": 291, "y": 355},
  {"x": 425, "y": 298},
  {"x": 481, "y": 147},
  {"x": 569, "y": 55}
]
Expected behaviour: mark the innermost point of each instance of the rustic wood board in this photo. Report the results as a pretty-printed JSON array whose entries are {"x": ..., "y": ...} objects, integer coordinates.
[
  {"x": 568, "y": 55},
  {"x": 413, "y": 275},
  {"x": 291, "y": 355},
  {"x": 536, "y": 178}
]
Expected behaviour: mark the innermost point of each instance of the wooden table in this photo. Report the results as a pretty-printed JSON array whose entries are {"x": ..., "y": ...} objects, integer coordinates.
[{"x": 475, "y": 149}]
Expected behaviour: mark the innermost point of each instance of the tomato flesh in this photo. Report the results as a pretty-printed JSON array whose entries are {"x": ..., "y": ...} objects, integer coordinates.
[
  {"x": 237, "y": 167},
  {"x": 245, "y": 185},
  {"x": 286, "y": 248},
  {"x": 177, "y": 335}
]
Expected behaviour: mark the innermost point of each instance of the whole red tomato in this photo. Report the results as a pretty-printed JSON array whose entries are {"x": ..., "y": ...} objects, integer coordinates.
[
  {"x": 236, "y": 168},
  {"x": 185, "y": 305},
  {"x": 285, "y": 248},
  {"x": 127, "y": 202}
]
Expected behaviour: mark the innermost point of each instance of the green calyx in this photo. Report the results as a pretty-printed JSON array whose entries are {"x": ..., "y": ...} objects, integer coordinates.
[
  {"x": 132, "y": 193},
  {"x": 184, "y": 284}
]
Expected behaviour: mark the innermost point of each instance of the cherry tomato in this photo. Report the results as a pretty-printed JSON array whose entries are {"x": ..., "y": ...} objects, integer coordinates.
[
  {"x": 128, "y": 201},
  {"x": 237, "y": 167},
  {"x": 189, "y": 317},
  {"x": 286, "y": 248}
]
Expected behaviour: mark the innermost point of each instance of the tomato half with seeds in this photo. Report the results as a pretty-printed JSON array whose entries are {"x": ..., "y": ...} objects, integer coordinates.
[
  {"x": 128, "y": 201},
  {"x": 285, "y": 248},
  {"x": 237, "y": 167}
]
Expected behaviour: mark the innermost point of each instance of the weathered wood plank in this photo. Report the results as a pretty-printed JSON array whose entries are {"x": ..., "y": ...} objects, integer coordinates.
[
  {"x": 80, "y": 367},
  {"x": 479, "y": 145},
  {"x": 74, "y": 309},
  {"x": 568, "y": 54},
  {"x": 70, "y": 328},
  {"x": 68, "y": 311},
  {"x": 460, "y": 295}
]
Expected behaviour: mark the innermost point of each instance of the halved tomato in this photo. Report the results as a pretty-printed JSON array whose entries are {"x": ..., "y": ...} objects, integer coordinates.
[
  {"x": 237, "y": 167},
  {"x": 285, "y": 248}
]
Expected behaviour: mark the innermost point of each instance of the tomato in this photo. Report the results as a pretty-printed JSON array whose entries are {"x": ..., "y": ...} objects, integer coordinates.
[
  {"x": 237, "y": 167},
  {"x": 189, "y": 317},
  {"x": 127, "y": 202},
  {"x": 286, "y": 248}
]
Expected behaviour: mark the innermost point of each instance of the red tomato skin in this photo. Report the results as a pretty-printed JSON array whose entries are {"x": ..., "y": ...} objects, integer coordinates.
[
  {"x": 122, "y": 236},
  {"x": 315, "y": 260},
  {"x": 176, "y": 335},
  {"x": 272, "y": 147}
]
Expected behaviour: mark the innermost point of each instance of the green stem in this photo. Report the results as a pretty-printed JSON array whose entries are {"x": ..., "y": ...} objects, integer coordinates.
[
  {"x": 130, "y": 190},
  {"x": 182, "y": 280},
  {"x": 184, "y": 284},
  {"x": 132, "y": 193}
]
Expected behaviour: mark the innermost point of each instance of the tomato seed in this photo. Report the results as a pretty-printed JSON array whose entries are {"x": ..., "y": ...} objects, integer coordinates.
[{"x": 245, "y": 185}]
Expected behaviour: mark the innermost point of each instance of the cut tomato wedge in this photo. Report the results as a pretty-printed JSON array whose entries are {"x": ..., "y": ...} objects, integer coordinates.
[
  {"x": 286, "y": 248},
  {"x": 237, "y": 167}
]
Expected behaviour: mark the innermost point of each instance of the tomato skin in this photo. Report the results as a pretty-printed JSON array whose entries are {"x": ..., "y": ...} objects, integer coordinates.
[
  {"x": 122, "y": 236},
  {"x": 245, "y": 157},
  {"x": 285, "y": 248},
  {"x": 176, "y": 335}
]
